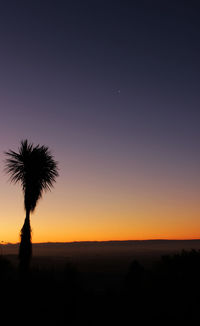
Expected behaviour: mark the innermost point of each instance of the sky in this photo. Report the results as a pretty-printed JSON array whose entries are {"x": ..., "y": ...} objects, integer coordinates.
[{"x": 113, "y": 89}]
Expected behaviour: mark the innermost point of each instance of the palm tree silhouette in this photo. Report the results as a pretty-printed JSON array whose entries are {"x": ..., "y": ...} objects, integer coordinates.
[{"x": 36, "y": 170}]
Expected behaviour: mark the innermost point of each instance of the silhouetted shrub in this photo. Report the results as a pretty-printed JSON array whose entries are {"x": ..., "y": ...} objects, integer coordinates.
[{"x": 6, "y": 268}]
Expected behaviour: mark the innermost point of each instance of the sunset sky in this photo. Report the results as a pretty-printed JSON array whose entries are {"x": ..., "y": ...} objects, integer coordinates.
[{"x": 113, "y": 88}]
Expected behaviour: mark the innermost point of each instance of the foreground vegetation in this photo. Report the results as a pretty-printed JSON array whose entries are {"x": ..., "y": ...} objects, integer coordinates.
[{"x": 168, "y": 293}]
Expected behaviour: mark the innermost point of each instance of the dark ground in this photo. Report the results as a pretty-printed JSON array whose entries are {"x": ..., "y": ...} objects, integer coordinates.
[{"x": 103, "y": 283}]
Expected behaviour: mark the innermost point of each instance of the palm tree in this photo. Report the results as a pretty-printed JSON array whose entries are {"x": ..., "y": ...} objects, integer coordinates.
[{"x": 35, "y": 169}]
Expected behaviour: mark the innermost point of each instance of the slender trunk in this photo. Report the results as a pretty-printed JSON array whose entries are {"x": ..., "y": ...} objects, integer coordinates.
[{"x": 25, "y": 248}]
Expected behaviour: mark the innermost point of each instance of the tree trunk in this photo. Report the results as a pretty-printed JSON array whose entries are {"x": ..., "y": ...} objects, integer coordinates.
[{"x": 25, "y": 248}]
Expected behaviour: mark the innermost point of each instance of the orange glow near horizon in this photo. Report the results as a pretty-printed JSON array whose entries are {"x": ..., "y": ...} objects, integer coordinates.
[
  {"x": 109, "y": 206},
  {"x": 57, "y": 219}
]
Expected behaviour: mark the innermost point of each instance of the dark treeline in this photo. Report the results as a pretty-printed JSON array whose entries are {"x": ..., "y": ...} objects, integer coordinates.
[{"x": 167, "y": 293}]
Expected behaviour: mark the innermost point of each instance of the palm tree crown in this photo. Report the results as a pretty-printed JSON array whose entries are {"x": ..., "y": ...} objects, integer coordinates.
[{"x": 34, "y": 168}]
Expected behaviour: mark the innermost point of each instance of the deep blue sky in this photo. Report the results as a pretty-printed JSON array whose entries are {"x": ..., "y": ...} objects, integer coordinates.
[
  {"x": 63, "y": 59},
  {"x": 62, "y": 66}
]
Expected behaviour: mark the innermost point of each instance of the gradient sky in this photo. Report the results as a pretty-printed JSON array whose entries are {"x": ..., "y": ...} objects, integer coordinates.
[{"x": 113, "y": 88}]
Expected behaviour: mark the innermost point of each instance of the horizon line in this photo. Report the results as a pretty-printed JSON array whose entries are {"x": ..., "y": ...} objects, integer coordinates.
[{"x": 4, "y": 243}]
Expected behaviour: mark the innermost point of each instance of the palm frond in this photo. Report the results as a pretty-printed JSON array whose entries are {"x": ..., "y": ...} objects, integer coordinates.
[{"x": 34, "y": 168}]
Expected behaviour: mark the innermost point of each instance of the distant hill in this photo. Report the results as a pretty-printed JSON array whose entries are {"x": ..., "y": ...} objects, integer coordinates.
[{"x": 133, "y": 247}]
